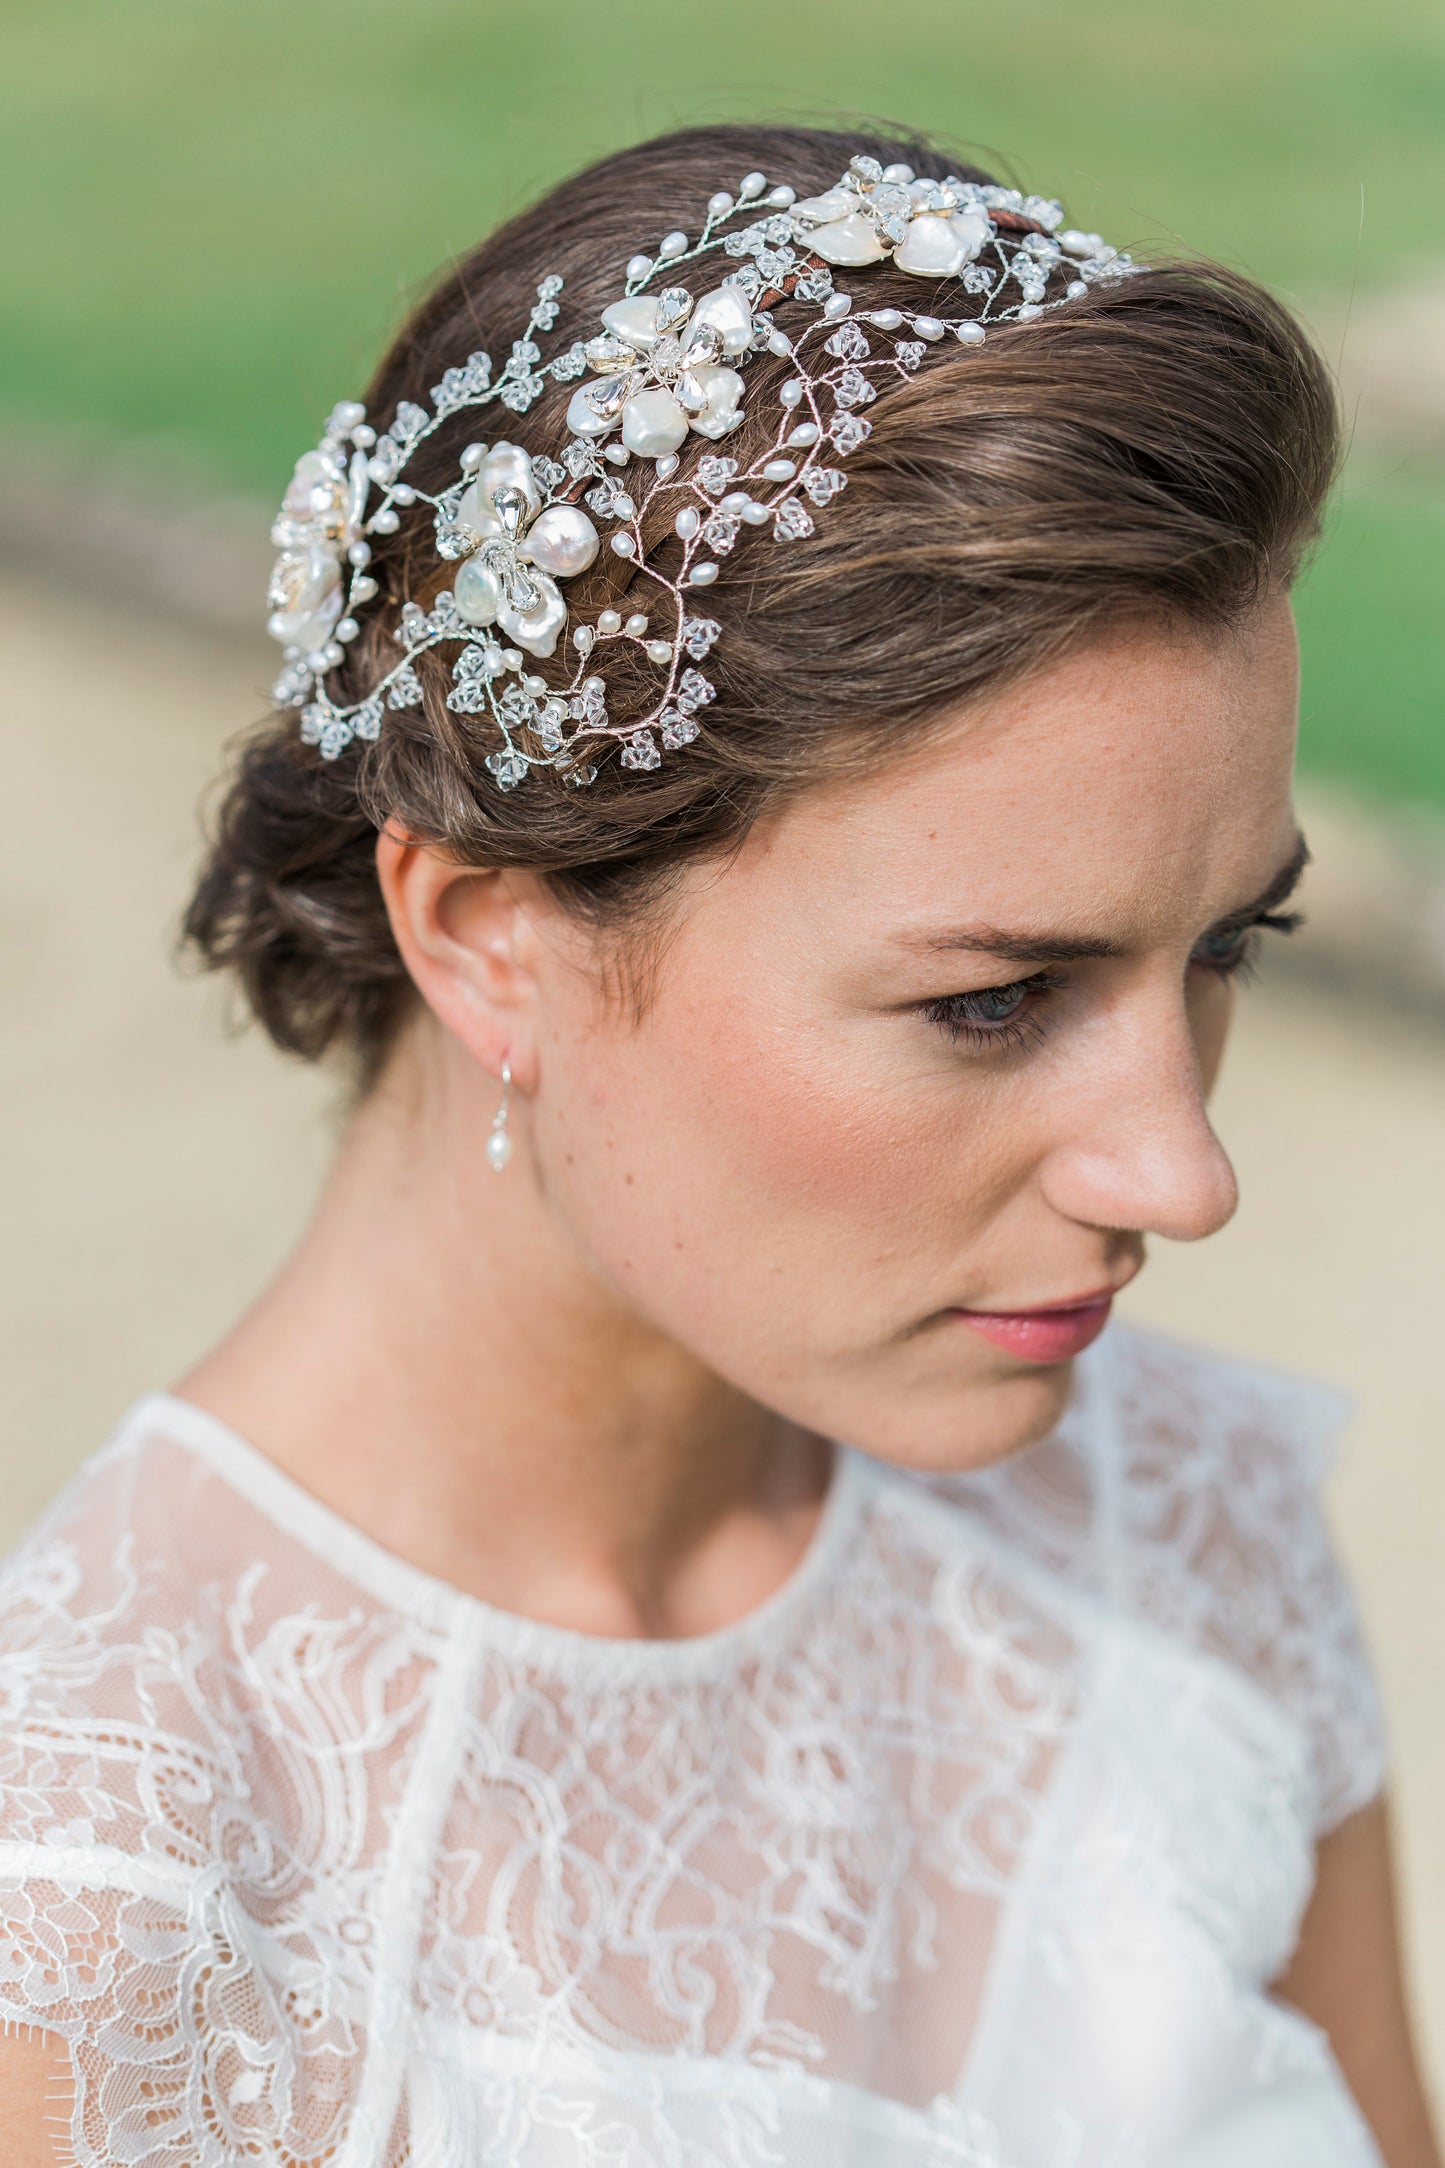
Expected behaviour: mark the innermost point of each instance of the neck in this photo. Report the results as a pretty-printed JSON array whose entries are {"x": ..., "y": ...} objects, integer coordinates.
[{"x": 437, "y": 1363}]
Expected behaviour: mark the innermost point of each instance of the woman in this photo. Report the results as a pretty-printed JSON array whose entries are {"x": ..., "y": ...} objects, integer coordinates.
[{"x": 481, "y": 1715}]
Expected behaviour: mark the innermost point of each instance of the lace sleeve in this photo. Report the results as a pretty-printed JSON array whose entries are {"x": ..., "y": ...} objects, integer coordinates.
[
  {"x": 198, "y": 1748},
  {"x": 1221, "y": 1536}
]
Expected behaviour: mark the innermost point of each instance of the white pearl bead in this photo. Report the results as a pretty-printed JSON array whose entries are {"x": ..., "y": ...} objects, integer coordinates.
[
  {"x": 782, "y": 199},
  {"x": 928, "y": 327},
  {"x": 403, "y": 493},
  {"x": 624, "y": 546},
  {"x": 779, "y": 470},
  {"x": 472, "y": 457},
  {"x": 791, "y": 394},
  {"x": 970, "y": 334},
  {"x": 594, "y": 685},
  {"x": 363, "y": 589},
  {"x": 702, "y": 575},
  {"x": 837, "y": 305},
  {"x": 672, "y": 244},
  {"x": 334, "y": 653},
  {"x": 638, "y": 268},
  {"x": 885, "y": 319},
  {"x": 756, "y": 515},
  {"x": 1029, "y": 311},
  {"x": 667, "y": 467},
  {"x": 735, "y": 500},
  {"x": 536, "y": 686},
  {"x": 349, "y": 413},
  {"x": 751, "y": 185},
  {"x": 583, "y": 638},
  {"x": 512, "y": 657},
  {"x": 659, "y": 651},
  {"x": 363, "y": 436},
  {"x": 1076, "y": 289},
  {"x": 636, "y": 625},
  {"x": 719, "y": 205},
  {"x": 563, "y": 541},
  {"x": 898, "y": 176},
  {"x": 609, "y": 621},
  {"x": 805, "y": 433},
  {"x": 653, "y": 424},
  {"x": 1074, "y": 243},
  {"x": 499, "y": 1150},
  {"x": 385, "y": 522},
  {"x": 780, "y": 344},
  {"x": 687, "y": 522},
  {"x": 617, "y": 453},
  {"x": 347, "y": 628},
  {"x": 359, "y": 553},
  {"x": 633, "y": 320}
]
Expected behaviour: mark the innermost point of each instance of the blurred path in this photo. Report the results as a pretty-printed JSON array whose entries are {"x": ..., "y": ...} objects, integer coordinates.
[{"x": 153, "y": 1172}]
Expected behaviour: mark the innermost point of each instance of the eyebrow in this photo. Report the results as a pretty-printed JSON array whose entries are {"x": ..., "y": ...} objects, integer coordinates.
[{"x": 1043, "y": 947}]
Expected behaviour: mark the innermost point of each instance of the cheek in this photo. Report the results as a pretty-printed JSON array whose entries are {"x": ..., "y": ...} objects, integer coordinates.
[{"x": 725, "y": 1127}]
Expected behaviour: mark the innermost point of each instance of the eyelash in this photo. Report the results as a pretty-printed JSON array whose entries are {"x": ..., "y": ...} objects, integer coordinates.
[{"x": 958, "y": 1017}]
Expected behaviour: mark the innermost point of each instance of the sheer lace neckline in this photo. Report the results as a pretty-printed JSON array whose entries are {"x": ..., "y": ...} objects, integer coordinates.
[{"x": 412, "y": 1591}]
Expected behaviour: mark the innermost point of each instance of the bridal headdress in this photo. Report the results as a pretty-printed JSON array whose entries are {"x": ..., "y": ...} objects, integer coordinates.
[{"x": 664, "y": 365}]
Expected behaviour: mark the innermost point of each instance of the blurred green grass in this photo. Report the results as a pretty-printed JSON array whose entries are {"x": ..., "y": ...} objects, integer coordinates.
[{"x": 218, "y": 211}]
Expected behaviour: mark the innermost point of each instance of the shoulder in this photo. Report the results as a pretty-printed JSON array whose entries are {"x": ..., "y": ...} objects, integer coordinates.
[{"x": 166, "y": 1647}]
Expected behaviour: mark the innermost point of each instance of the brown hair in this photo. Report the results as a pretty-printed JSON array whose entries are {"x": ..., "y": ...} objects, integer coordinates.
[{"x": 1159, "y": 449}]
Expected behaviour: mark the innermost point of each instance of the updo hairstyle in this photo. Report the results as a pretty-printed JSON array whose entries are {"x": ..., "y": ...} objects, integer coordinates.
[{"x": 1156, "y": 452}]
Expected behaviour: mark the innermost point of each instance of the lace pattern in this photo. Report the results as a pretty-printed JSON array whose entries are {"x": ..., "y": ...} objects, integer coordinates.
[{"x": 312, "y": 1861}]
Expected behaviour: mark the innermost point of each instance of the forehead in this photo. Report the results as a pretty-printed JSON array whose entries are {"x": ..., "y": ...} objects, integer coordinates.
[{"x": 1145, "y": 775}]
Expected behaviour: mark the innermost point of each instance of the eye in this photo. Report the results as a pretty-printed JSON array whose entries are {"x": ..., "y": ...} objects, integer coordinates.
[
  {"x": 1227, "y": 950},
  {"x": 1235, "y": 949},
  {"x": 992, "y": 1015}
]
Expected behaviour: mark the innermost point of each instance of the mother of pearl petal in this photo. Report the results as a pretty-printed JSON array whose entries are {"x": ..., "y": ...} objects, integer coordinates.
[
  {"x": 562, "y": 540},
  {"x": 837, "y": 203},
  {"x": 537, "y": 631},
  {"x": 724, "y": 389},
  {"x": 851, "y": 240},
  {"x": 930, "y": 249},
  {"x": 477, "y": 595},
  {"x": 653, "y": 423},
  {"x": 306, "y": 588},
  {"x": 973, "y": 228},
  {"x": 727, "y": 312},
  {"x": 583, "y": 418},
  {"x": 634, "y": 319}
]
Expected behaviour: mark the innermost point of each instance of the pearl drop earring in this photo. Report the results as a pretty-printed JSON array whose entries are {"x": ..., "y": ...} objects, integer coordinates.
[{"x": 499, "y": 1143}]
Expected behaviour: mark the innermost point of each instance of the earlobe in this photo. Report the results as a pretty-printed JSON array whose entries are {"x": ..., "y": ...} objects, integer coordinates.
[{"x": 455, "y": 927}]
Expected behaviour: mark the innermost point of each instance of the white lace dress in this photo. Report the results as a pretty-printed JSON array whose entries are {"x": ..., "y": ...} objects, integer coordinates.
[{"x": 976, "y": 1847}]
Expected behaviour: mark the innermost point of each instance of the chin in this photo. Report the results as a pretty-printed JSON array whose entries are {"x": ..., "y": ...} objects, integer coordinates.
[{"x": 971, "y": 1425}]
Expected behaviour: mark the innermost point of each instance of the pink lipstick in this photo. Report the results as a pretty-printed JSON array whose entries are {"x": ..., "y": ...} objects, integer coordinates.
[{"x": 1051, "y": 1334}]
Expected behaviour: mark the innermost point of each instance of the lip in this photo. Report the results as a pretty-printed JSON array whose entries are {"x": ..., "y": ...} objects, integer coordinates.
[{"x": 1052, "y": 1333}]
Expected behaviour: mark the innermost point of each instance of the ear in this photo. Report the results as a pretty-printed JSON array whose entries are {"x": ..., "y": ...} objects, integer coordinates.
[{"x": 461, "y": 931}]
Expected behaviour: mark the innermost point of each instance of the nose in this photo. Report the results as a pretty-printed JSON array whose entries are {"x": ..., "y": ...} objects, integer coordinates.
[{"x": 1138, "y": 1151}]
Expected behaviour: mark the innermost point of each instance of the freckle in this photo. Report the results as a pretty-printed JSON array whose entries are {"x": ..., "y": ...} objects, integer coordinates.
[{"x": 628, "y": 1179}]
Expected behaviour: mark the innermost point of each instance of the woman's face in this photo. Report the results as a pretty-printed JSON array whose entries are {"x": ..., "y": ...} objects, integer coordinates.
[{"x": 937, "y": 1043}]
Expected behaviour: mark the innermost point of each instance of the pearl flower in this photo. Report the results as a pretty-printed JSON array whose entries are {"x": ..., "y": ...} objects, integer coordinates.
[
  {"x": 661, "y": 369},
  {"x": 521, "y": 551},
  {"x": 319, "y": 519},
  {"x": 931, "y": 228}
]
